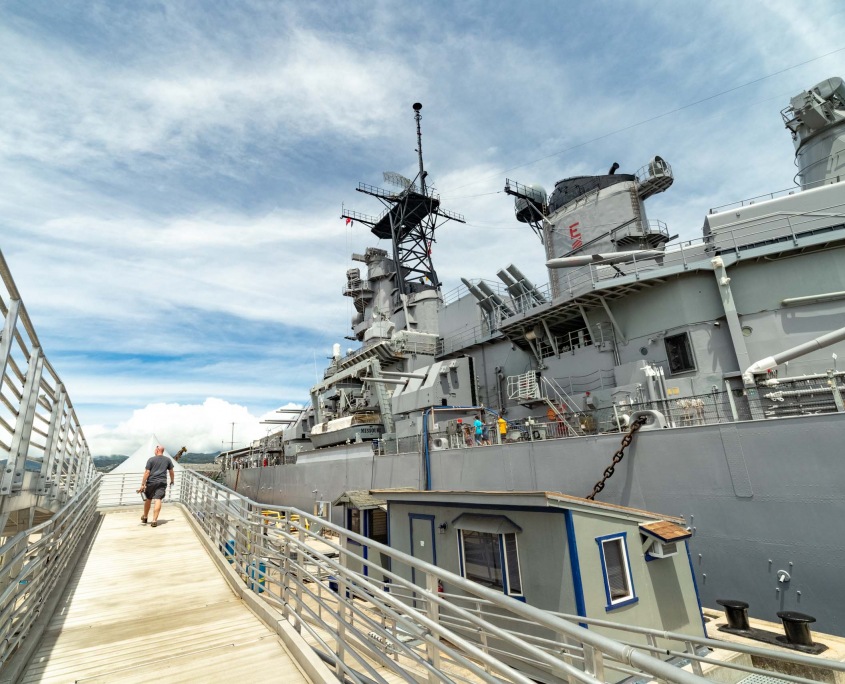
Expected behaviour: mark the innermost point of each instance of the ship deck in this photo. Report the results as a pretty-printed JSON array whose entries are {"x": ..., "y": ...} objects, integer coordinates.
[{"x": 146, "y": 604}]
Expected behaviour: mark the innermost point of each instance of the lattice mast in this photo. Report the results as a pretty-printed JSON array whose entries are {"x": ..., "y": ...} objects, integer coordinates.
[{"x": 409, "y": 221}]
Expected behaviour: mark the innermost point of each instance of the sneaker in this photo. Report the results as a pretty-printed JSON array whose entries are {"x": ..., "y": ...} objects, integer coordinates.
[
  {"x": 144, "y": 520},
  {"x": 153, "y": 523}
]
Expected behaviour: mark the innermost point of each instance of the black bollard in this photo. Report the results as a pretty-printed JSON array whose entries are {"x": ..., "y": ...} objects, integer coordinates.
[
  {"x": 797, "y": 627},
  {"x": 736, "y": 613}
]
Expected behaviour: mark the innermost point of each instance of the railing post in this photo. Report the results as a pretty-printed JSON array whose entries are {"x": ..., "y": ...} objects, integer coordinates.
[
  {"x": 792, "y": 230},
  {"x": 285, "y": 579},
  {"x": 12, "y": 478},
  {"x": 837, "y": 395},
  {"x": 695, "y": 663},
  {"x": 731, "y": 402},
  {"x": 340, "y": 640},
  {"x": 51, "y": 445},
  {"x": 433, "y": 611}
]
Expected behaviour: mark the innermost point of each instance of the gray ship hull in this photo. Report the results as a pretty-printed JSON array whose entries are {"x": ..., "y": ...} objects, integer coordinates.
[{"x": 760, "y": 497}]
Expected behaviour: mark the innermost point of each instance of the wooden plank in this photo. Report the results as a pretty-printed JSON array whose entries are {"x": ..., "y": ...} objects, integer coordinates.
[{"x": 147, "y": 603}]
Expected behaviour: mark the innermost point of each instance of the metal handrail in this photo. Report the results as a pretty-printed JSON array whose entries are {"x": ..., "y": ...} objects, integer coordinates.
[
  {"x": 777, "y": 193},
  {"x": 292, "y": 566},
  {"x": 33, "y": 562},
  {"x": 45, "y": 455},
  {"x": 121, "y": 489}
]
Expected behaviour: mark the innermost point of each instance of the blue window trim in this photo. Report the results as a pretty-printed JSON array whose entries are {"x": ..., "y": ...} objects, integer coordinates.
[
  {"x": 626, "y": 602},
  {"x": 577, "y": 582},
  {"x": 695, "y": 586},
  {"x": 502, "y": 561}
]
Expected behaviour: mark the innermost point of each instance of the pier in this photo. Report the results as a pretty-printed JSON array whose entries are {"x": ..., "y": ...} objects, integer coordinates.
[{"x": 148, "y": 604}]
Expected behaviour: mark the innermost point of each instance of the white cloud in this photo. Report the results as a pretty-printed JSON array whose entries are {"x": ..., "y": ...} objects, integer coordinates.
[{"x": 211, "y": 426}]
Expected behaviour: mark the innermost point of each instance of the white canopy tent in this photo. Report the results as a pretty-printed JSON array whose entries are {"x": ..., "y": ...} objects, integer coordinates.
[{"x": 137, "y": 462}]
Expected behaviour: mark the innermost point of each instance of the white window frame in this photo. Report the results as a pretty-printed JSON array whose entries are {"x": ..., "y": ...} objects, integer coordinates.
[
  {"x": 503, "y": 561},
  {"x": 630, "y": 597}
]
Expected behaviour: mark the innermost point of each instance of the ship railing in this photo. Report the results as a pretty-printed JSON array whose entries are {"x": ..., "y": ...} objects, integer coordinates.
[
  {"x": 43, "y": 453},
  {"x": 456, "y": 293},
  {"x": 392, "y": 446},
  {"x": 562, "y": 422},
  {"x": 466, "y": 338},
  {"x": 778, "y": 193},
  {"x": 639, "y": 228},
  {"x": 370, "y": 610},
  {"x": 35, "y": 565}
]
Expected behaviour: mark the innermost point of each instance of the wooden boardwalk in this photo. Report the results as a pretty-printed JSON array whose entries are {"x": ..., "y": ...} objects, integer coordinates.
[{"x": 148, "y": 604}]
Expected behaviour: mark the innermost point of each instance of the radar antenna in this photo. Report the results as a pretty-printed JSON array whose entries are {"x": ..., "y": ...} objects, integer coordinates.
[{"x": 410, "y": 218}]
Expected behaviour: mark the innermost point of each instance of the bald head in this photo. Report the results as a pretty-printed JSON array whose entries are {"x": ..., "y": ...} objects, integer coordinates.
[{"x": 159, "y": 450}]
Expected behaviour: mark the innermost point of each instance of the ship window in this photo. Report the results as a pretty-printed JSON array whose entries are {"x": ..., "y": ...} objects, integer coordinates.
[
  {"x": 616, "y": 568},
  {"x": 679, "y": 353},
  {"x": 491, "y": 559}
]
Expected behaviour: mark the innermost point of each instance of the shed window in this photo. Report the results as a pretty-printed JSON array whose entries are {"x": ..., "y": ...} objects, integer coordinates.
[
  {"x": 355, "y": 520},
  {"x": 485, "y": 554},
  {"x": 378, "y": 525},
  {"x": 679, "y": 353},
  {"x": 618, "y": 583}
]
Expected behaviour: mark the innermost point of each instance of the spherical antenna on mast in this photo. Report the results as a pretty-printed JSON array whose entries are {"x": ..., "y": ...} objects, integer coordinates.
[{"x": 417, "y": 106}]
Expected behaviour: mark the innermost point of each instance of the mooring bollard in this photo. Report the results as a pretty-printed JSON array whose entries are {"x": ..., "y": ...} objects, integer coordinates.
[
  {"x": 736, "y": 613},
  {"x": 797, "y": 627}
]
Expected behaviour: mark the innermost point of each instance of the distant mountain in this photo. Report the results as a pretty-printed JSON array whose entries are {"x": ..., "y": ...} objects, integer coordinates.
[
  {"x": 106, "y": 463},
  {"x": 199, "y": 458}
]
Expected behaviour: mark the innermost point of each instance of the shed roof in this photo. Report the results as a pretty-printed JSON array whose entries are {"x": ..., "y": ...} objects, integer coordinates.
[
  {"x": 665, "y": 531},
  {"x": 360, "y": 499},
  {"x": 519, "y": 498}
]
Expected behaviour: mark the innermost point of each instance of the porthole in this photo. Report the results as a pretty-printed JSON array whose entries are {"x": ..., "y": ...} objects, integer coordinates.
[
  {"x": 644, "y": 351},
  {"x": 747, "y": 330}
]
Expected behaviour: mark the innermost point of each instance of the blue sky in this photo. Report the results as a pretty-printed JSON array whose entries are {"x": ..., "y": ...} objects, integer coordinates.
[{"x": 173, "y": 173}]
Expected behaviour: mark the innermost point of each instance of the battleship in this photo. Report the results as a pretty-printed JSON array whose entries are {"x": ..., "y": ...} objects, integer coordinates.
[{"x": 697, "y": 379}]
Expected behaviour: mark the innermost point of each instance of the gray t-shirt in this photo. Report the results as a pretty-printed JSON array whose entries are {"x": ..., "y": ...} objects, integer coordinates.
[{"x": 158, "y": 467}]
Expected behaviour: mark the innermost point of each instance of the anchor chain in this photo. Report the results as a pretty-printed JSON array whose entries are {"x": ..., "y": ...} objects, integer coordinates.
[{"x": 618, "y": 456}]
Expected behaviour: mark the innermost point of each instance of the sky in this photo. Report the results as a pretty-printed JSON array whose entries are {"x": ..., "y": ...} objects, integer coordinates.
[{"x": 173, "y": 173}]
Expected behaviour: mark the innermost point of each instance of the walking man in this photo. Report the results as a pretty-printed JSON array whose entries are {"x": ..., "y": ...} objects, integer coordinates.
[
  {"x": 479, "y": 430},
  {"x": 154, "y": 483}
]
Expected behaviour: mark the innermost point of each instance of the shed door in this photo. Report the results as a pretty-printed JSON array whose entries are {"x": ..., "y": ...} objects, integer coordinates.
[{"x": 422, "y": 543}]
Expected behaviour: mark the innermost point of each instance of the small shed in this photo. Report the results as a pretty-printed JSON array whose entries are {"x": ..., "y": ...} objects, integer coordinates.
[
  {"x": 556, "y": 552},
  {"x": 364, "y": 514}
]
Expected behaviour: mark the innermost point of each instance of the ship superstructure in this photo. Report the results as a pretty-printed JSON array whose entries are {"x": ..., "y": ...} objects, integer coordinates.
[{"x": 724, "y": 349}]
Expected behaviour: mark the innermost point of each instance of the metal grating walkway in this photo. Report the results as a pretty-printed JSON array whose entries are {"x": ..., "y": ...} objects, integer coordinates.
[{"x": 149, "y": 604}]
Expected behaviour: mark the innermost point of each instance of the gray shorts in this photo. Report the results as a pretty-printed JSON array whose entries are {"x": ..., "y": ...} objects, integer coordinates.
[{"x": 156, "y": 490}]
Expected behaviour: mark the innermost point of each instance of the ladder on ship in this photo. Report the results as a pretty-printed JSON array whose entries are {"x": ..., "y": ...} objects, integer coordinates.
[{"x": 570, "y": 418}]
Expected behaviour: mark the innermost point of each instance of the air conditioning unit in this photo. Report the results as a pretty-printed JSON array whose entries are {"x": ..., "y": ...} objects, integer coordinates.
[
  {"x": 537, "y": 431},
  {"x": 661, "y": 549},
  {"x": 439, "y": 443}
]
